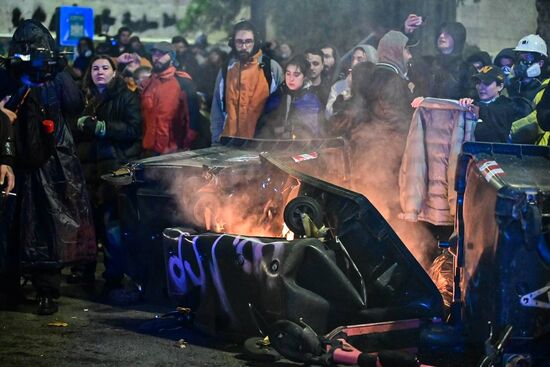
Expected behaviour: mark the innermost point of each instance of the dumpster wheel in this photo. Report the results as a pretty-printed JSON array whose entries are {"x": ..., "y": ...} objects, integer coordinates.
[{"x": 302, "y": 205}]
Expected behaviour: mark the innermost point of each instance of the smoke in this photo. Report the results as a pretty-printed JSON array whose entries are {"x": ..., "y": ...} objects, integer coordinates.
[
  {"x": 249, "y": 198},
  {"x": 376, "y": 151}
]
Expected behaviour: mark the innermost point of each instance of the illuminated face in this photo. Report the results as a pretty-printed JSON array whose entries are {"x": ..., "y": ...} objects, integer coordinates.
[
  {"x": 488, "y": 90},
  {"x": 244, "y": 43},
  {"x": 102, "y": 73},
  {"x": 328, "y": 58},
  {"x": 445, "y": 43},
  {"x": 316, "y": 65},
  {"x": 358, "y": 56},
  {"x": 294, "y": 78}
]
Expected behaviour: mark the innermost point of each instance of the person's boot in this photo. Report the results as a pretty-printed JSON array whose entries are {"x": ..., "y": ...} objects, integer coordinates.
[{"x": 46, "y": 306}]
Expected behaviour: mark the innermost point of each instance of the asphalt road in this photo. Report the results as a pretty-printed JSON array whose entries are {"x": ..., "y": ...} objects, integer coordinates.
[{"x": 93, "y": 333}]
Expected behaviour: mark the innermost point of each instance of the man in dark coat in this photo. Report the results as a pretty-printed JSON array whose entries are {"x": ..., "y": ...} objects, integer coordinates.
[
  {"x": 390, "y": 91},
  {"x": 53, "y": 222}
]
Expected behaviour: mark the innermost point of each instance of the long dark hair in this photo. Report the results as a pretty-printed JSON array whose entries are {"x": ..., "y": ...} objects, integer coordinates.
[{"x": 89, "y": 87}]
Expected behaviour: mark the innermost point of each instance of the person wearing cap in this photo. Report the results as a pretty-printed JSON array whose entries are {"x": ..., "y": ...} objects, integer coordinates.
[
  {"x": 531, "y": 54},
  {"x": 168, "y": 126},
  {"x": 494, "y": 112}
]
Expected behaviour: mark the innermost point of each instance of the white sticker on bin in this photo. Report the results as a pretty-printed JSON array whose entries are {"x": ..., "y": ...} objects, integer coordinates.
[
  {"x": 305, "y": 157},
  {"x": 489, "y": 169}
]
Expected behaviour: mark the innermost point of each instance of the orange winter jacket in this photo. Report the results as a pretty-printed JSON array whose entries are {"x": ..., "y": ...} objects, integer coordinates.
[
  {"x": 246, "y": 92},
  {"x": 165, "y": 114}
]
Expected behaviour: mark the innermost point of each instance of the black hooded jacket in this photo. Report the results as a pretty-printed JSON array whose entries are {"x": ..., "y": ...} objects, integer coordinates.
[
  {"x": 446, "y": 75},
  {"x": 54, "y": 221}
]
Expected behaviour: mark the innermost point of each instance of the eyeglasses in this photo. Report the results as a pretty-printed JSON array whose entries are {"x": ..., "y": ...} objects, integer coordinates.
[{"x": 246, "y": 42}]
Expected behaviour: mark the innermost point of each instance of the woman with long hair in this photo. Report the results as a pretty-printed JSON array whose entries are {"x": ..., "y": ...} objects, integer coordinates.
[{"x": 108, "y": 135}]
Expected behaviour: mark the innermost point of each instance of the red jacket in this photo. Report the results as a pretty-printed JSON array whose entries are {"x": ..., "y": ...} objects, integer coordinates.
[{"x": 165, "y": 114}]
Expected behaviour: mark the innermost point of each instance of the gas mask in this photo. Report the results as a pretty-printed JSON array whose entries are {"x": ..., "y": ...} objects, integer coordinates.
[
  {"x": 523, "y": 70},
  {"x": 508, "y": 74}
]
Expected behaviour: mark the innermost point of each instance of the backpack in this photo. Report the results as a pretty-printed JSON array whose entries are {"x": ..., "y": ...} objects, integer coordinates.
[
  {"x": 265, "y": 64},
  {"x": 197, "y": 121}
]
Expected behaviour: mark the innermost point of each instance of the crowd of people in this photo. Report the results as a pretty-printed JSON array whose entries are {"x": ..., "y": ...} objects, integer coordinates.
[{"x": 120, "y": 101}]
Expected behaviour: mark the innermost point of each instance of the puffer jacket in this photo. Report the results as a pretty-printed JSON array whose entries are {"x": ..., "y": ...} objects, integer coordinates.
[
  {"x": 427, "y": 174},
  {"x": 293, "y": 114},
  {"x": 120, "y": 109}
]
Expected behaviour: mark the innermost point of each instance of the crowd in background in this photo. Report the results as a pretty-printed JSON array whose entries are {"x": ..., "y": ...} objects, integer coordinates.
[{"x": 119, "y": 101}]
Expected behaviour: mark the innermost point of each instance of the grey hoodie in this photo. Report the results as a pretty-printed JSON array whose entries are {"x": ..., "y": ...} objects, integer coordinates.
[{"x": 390, "y": 52}]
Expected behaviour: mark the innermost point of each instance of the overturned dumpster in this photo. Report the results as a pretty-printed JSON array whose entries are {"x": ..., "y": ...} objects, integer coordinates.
[
  {"x": 505, "y": 234},
  {"x": 348, "y": 267},
  {"x": 220, "y": 189}
]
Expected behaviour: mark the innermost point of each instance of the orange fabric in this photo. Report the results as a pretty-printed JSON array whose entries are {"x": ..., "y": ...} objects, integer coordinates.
[
  {"x": 246, "y": 92},
  {"x": 165, "y": 114}
]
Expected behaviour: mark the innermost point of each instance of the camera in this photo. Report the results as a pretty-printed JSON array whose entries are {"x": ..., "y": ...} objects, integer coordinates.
[{"x": 39, "y": 64}]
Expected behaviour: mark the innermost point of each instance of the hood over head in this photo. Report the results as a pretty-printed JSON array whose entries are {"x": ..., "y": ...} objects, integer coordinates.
[
  {"x": 370, "y": 51},
  {"x": 390, "y": 50},
  {"x": 31, "y": 35},
  {"x": 505, "y": 53},
  {"x": 457, "y": 31}
]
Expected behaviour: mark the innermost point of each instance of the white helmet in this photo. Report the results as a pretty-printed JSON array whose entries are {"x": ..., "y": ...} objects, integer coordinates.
[{"x": 532, "y": 43}]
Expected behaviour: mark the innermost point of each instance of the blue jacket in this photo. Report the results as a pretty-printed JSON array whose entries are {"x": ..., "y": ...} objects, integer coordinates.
[{"x": 292, "y": 114}]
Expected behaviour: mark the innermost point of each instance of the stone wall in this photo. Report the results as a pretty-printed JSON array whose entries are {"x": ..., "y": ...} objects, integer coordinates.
[
  {"x": 495, "y": 24},
  {"x": 149, "y": 18}
]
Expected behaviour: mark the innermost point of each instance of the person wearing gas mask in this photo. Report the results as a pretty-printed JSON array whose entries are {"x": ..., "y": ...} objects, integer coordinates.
[
  {"x": 529, "y": 85},
  {"x": 52, "y": 223},
  {"x": 531, "y": 54},
  {"x": 505, "y": 60},
  {"x": 243, "y": 86}
]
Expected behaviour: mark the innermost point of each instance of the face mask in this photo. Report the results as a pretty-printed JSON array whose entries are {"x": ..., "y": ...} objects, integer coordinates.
[
  {"x": 522, "y": 70},
  {"x": 533, "y": 70},
  {"x": 506, "y": 70}
]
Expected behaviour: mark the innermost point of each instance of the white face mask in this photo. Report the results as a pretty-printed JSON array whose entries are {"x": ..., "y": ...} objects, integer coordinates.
[{"x": 533, "y": 70}]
